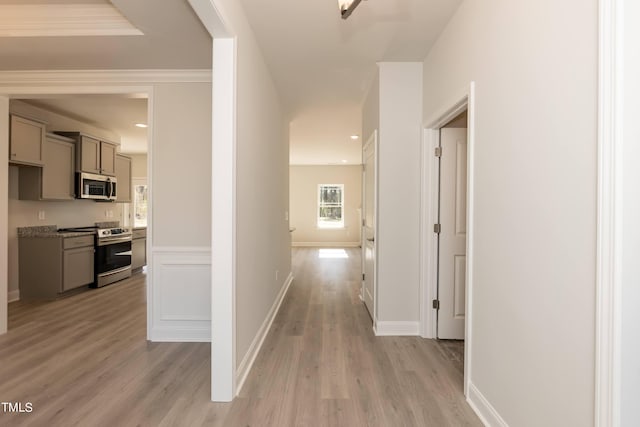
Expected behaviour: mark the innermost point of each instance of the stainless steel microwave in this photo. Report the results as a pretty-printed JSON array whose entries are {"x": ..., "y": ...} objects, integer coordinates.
[{"x": 97, "y": 187}]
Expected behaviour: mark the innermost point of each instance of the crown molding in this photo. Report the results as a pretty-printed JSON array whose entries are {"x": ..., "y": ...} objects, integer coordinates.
[
  {"x": 55, "y": 20},
  {"x": 44, "y": 77}
]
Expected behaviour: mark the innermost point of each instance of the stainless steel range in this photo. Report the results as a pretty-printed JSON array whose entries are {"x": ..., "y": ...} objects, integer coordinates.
[
  {"x": 112, "y": 261},
  {"x": 113, "y": 255}
]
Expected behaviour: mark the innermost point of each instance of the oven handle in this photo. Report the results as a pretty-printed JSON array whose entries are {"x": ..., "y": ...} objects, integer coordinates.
[{"x": 110, "y": 241}]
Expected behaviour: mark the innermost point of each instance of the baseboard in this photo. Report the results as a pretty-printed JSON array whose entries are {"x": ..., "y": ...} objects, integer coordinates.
[
  {"x": 13, "y": 296},
  {"x": 396, "y": 329},
  {"x": 483, "y": 409},
  {"x": 256, "y": 345},
  {"x": 180, "y": 335},
  {"x": 325, "y": 244}
]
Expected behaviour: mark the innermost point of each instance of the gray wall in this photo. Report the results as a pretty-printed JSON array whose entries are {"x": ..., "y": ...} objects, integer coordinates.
[{"x": 535, "y": 65}]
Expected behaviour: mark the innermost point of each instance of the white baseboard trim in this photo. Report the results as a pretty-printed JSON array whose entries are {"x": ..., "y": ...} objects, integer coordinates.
[
  {"x": 256, "y": 345},
  {"x": 180, "y": 335},
  {"x": 13, "y": 296},
  {"x": 325, "y": 244},
  {"x": 396, "y": 329},
  {"x": 483, "y": 409}
]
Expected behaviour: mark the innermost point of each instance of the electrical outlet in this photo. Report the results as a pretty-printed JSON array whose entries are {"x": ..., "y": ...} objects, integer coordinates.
[
  {"x": 41, "y": 215},
  {"x": 286, "y": 215},
  {"x": 277, "y": 273}
]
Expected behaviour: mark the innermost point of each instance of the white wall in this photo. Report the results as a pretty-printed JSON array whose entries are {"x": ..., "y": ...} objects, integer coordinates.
[
  {"x": 180, "y": 186},
  {"x": 535, "y": 67},
  {"x": 138, "y": 165},
  {"x": 630, "y": 369},
  {"x": 303, "y": 202},
  {"x": 262, "y": 186},
  {"x": 181, "y": 175},
  {"x": 399, "y": 114}
]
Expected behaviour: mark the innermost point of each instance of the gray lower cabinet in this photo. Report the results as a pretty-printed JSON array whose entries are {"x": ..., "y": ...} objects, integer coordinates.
[
  {"x": 50, "y": 266},
  {"x": 139, "y": 249}
]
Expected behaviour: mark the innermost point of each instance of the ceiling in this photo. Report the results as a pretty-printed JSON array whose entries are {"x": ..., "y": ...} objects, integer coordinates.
[
  {"x": 115, "y": 113},
  {"x": 174, "y": 38},
  {"x": 324, "y": 65}
]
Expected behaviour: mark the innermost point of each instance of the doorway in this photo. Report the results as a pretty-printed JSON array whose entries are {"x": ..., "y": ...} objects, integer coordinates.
[
  {"x": 62, "y": 214},
  {"x": 369, "y": 230},
  {"x": 460, "y": 303},
  {"x": 451, "y": 229}
]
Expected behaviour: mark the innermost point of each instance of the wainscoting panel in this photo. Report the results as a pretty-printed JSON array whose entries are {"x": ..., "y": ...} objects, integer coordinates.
[{"x": 180, "y": 289}]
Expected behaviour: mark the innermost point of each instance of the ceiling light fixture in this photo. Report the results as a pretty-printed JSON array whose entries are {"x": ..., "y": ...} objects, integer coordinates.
[
  {"x": 141, "y": 125},
  {"x": 344, "y": 161},
  {"x": 347, "y": 7},
  {"x": 354, "y": 137}
]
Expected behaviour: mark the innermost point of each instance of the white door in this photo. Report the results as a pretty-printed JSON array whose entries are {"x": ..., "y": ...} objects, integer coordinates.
[
  {"x": 452, "y": 239},
  {"x": 369, "y": 224}
]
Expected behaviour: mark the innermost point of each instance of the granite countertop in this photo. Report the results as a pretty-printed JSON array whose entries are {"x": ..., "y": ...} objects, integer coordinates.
[{"x": 49, "y": 231}]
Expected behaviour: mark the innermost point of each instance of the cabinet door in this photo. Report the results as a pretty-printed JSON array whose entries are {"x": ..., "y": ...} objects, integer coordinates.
[
  {"x": 58, "y": 170},
  {"x": 138, "y": 253},
  {"x": 108, "y": 158},
  {"x": 77, "y": 268},
  {"x": 26, "y": 142},
  {"x": 123, "y": 175},
  {"x": 89, "y": 157}
]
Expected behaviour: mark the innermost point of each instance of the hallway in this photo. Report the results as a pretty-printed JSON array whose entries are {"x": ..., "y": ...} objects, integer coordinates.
[{"x": 322, "y": 365}]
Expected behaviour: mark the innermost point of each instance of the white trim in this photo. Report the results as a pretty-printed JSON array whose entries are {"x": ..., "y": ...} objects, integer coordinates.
[
  {"x": 429, "y": 242},
  {"x": 79, "y": 77},
  {"x": 180, "y": 249},
  {"x": 51, "y": 20},
  {"x": 396, "y": 328},
  {"x": 175, "y": 334},
  {"x": 249, "y": 358},
  {"x": 223, "y": 221},
  {"x": 325, "y": 244},
  {"x": 609, "y": 220},
  {"x": 14, "y": 295},
  {"x": 483, "y": 409},
  {"x": 463, "y": 100},
  {"x": 373, "y": 139}
]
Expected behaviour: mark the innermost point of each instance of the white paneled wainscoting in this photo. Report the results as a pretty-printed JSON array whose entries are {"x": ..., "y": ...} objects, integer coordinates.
[{"x": 180, "y": 294}]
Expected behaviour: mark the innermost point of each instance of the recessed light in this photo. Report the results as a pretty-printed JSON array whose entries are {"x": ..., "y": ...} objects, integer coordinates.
[
  {"x": 344, "y": 161},
  {"x": 141, "y": 125},
  {"x": 354, "y": 137}
]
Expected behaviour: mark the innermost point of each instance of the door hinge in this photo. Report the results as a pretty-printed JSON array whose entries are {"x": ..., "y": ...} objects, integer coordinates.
[
  {"x": 438, "y": 152},
  {"x": 436, "y": 304},
  {"x": 363, "y": 276},
  {"x": 436, "y": 228}
]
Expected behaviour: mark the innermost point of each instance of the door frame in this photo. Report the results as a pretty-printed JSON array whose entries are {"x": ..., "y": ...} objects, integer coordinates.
[
  {"x": 373, "y": 139},
  {"x": 45, "y": 84},
  {"x": 463, "y": 100}
]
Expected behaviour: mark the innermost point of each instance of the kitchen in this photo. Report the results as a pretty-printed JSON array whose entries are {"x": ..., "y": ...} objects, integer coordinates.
[{"x": 104, "y": 238}]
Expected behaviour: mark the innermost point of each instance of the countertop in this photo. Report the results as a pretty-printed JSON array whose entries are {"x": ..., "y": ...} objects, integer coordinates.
[{"x": 50, "y": 231}]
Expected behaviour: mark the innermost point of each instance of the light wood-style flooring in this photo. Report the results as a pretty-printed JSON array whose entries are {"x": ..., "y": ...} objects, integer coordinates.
[{"x": 84, "y": 360}]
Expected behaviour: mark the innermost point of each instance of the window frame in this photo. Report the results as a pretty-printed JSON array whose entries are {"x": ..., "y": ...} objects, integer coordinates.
[{"x": 325, "y": 225}]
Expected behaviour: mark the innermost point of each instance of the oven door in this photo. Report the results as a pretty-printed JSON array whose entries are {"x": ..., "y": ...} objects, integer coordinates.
[{"x": 113, "y": 254}]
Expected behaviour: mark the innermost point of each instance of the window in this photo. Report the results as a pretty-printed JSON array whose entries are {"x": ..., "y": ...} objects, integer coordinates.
[
  {"x": 140, "y": 199},
  {"x": 330, "y": 205}
]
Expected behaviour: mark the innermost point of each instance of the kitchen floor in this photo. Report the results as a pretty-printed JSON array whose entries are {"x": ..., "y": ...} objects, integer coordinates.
[{"x": 84, "y": 360}]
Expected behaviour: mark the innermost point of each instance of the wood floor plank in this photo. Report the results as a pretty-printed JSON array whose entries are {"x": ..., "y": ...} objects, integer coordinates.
[{"x": 84, "y": 361}]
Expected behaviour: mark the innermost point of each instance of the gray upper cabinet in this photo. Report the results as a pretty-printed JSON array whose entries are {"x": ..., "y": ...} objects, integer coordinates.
[
  {"x": 94, "y": 155},
  {"x": 26, "y": 141},
  {"x": 54, "y": 181},
  {"x": 108, "y": 158},
  {"x": 123, "y": 177}
]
